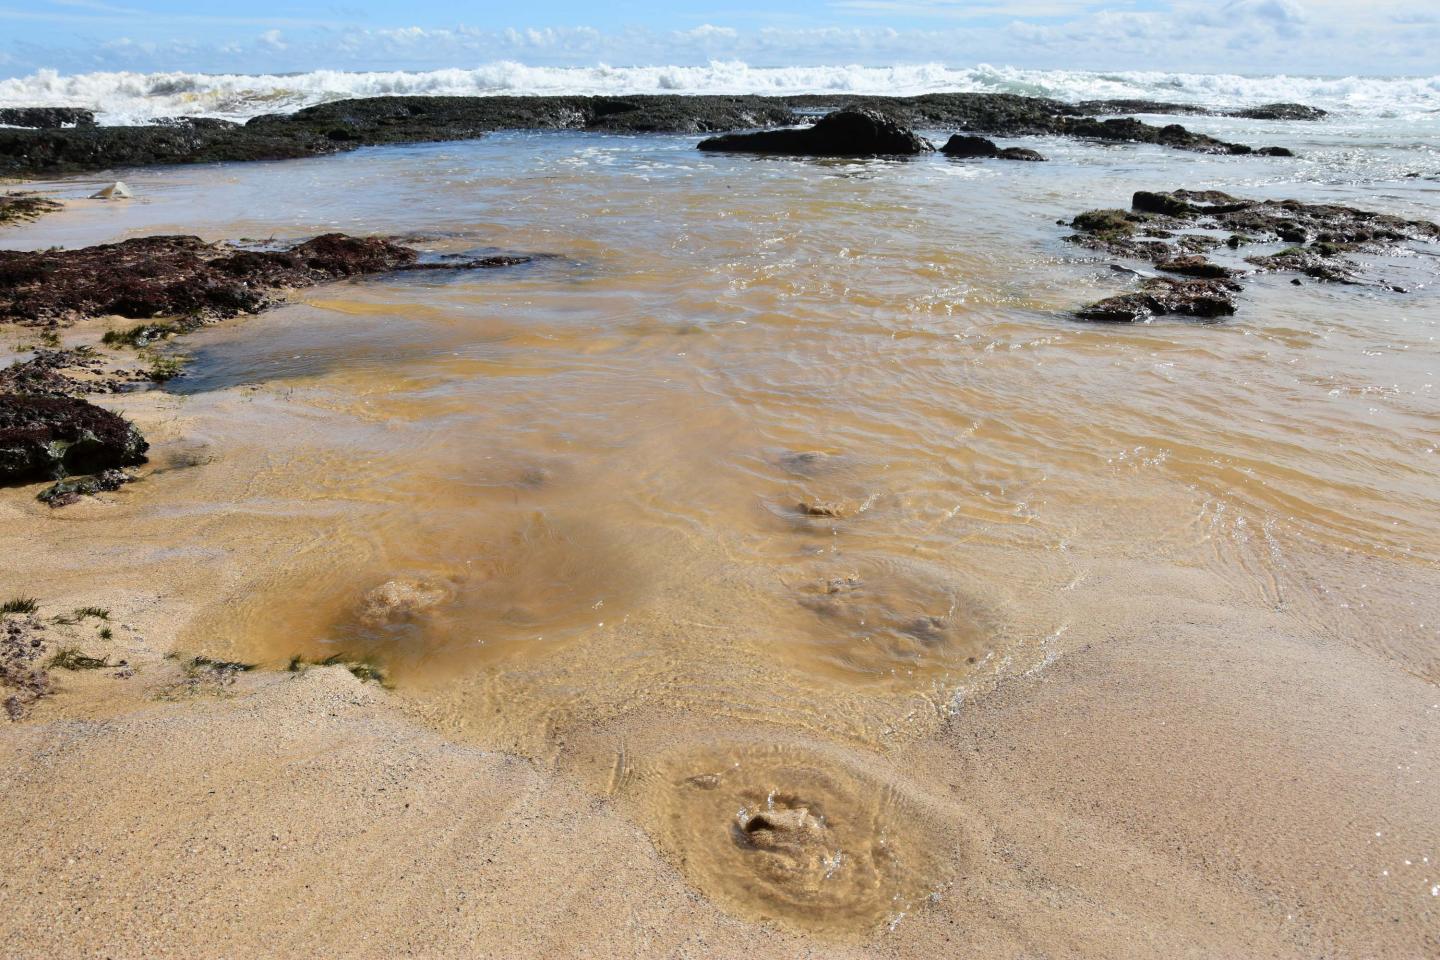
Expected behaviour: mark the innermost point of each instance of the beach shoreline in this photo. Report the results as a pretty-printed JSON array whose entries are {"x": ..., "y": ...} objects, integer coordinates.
[{"x": 837, "y": 592}]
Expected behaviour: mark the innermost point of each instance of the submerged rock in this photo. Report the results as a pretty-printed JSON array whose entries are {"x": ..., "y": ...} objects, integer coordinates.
[
  {"x": 48, "y": 438},
  {"x": 1204, "y": 299},
  {"x": 398, "y": 600},
  {"x": 66, "y": 492},
  {"x": 180, "y": 276},
  {"x": 844, "y": 133}
]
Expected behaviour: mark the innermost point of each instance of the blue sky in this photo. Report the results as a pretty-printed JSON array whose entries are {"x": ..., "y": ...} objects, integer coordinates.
[{"x": 1248, "y": 36}]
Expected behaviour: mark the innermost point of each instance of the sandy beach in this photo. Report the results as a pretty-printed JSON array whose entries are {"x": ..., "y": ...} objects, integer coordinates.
[{"x": 620, "y": 549}]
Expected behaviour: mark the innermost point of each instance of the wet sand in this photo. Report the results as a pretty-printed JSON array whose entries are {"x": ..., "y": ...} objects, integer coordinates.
[
  {"x": 766, "y": 597},
  {"x": 1191, "y": 783}
]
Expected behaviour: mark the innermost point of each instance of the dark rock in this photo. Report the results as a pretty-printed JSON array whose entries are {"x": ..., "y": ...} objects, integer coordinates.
[
  {"x": 1280, "y": 111},
  {"x": 845, "y": 133},
  {"x": 1205, "y": 299},
  {"x": 47, "y": 438},
  {"x": 1195, "y": 265},
  {"x": 1106, "y": 221},
  {"x": 53, "y": 152},
  {"x": 1130, "y": 130},
  {"x": 1274, "y": 152},
  {"x": 1188, "y": 203},
  {"x": 179, "y": 276},
  {"x": 66, "y": 492},
  {"x": 965, "y": 147},
  {"x": 1119, "y": 232},
  {"x": 1011, "y": 115},
  {"x": 46, "y": 118},
  {"x": 1163, "y": 203}
]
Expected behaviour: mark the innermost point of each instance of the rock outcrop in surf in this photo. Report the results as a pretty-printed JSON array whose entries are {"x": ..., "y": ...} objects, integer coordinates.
[
  {"x": 1179, "y": 230},
  {"x": 349, "y": 124},
  {"x": 966, "y": 148},
  {"x": 844, "y": 133}
]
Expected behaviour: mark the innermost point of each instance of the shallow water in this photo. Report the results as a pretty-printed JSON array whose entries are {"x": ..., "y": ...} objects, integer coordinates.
[{"x": 811, "y": 447}]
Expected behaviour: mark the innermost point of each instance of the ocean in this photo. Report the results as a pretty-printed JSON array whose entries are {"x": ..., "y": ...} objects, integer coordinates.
[{"x": 138, "y": 97}]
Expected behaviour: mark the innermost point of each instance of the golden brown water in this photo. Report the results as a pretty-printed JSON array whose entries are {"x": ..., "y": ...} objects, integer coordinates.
[{"x": 801, "y": 452}]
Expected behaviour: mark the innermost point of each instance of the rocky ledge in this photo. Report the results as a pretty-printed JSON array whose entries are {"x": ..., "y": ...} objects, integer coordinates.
[
  {"x": 182, "y": 276},
  {"x": 46, "y": 118},
  {"x": 348, "y": 124},
  {"x": 1176, "y": 231}
]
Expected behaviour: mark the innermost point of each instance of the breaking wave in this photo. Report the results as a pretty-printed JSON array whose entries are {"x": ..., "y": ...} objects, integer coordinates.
[{"x": 137, "y": 97}]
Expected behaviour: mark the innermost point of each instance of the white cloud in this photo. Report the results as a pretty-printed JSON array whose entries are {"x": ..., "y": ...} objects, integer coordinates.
[
  {"x": 970, "y": 9},
  {"x": 1248, "y": 36}
]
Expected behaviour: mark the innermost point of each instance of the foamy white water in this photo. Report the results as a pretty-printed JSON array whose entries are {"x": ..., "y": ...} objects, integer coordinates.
[{"x": 137, "y": 97}]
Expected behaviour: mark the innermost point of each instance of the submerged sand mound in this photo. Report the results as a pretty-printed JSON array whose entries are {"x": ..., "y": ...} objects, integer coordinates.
[
  {"x": 801, "y": 838},
  {"x": 880, "y": 617}
]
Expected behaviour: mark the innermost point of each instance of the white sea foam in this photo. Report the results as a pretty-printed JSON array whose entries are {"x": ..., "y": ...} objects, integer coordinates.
[{"x": 137, "y": 97}]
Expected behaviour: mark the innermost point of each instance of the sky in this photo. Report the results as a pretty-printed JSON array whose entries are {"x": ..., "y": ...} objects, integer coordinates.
[{"x": 1325, "y": 37}]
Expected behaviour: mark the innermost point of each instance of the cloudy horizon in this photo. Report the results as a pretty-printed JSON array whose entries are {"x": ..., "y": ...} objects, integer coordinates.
[{"x": 1308, "y": 37}]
